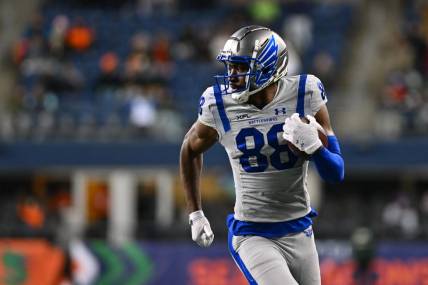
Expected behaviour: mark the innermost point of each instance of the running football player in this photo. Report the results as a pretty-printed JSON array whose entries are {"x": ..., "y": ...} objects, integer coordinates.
[{"x": 255, "y": 111}]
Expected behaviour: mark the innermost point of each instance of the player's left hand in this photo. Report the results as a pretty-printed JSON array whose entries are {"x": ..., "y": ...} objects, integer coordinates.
[{"x": 302, "y": 135}]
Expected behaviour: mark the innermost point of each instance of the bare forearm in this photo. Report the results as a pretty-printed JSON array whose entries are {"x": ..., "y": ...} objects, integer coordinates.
[
  {"x": 197, "y": 140},
  {"x": 190, "y": 171}
]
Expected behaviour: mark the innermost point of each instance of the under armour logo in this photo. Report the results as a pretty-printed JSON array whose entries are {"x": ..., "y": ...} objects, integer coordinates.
[{"x": 277, "y": 111}]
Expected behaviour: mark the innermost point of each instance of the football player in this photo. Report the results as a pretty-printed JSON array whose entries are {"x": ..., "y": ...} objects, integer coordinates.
[{"x": 255, "y": 111}]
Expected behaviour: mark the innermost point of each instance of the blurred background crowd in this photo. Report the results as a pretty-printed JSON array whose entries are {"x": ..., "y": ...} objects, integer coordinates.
[
  {"x": 89, "y": 87},
  {"x": 106, "y": 71}
]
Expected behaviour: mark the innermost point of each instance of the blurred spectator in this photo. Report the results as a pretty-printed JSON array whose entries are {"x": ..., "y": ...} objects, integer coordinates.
[
  {"x": 31, "y": 213},
  {"x": 396, "y": 90},
  {"x": 185, "y": 47},
  {"x": 189, "y": 45},
  {"x": 109, "y": 77},
  {"x": 401, "y": 218},
  {"x": 138, "y": 62},
  {"x": 60, "y": 25},
  {"x": 298, "y": 30},
  {"x": 79, "y": 36},
  {"x": 33, "y": 44},
  {"x": 142, "y": 108},
  {"x": 363, "y": 251},
  {"x": 140, "y": 43},
  {"x": 137, "y": 67},
  {"x": 161, "y": 49},
  {"x": 161, "y": 54},
  {"x": 62, "y": 77}
]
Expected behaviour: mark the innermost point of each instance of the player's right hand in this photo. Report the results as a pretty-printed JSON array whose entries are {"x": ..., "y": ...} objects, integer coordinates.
[{"x": 201, "y": 229}]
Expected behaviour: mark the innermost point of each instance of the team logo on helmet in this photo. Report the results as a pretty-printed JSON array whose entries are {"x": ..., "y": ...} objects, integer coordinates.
[{"x": 267, "y": 61}]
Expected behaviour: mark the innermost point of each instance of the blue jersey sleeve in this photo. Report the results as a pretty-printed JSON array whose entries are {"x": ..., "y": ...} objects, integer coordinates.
[{"x": 329, "y": 161}]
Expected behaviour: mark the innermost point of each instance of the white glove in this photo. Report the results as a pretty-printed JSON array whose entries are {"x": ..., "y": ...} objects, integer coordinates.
[
  {"x": 302, "y": 135},
  {"x": 201, "y": 229}
]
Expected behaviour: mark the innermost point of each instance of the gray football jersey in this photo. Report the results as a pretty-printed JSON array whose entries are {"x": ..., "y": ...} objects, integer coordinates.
[{"x": 270, "y": 181}]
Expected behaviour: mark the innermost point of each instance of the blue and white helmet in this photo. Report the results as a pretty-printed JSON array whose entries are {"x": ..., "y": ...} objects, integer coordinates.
[{"x": 265, "y": 53}]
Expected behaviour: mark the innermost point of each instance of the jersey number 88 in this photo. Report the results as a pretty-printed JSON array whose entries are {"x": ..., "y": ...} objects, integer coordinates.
[{"x": 252, "y": 160}]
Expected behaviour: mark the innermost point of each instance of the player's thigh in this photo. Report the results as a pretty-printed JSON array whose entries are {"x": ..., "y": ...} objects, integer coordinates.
[
  {"x": 263, "y": 260},
  {"x": 302, "y": 257}
]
